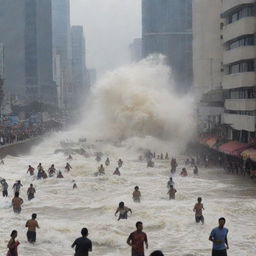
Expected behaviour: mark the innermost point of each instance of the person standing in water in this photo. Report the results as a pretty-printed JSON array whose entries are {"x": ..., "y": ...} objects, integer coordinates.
[
  {"x": 4, "y": 188},
  {"x": 136, "y": 195},
  {"x": 68, "y": 167},
  {"x": 31, "y": 170},
  {"x": 219, "y": 239},
  {"x": 13, "y": 245},
  {"x": 17, "y": 186},
  {"x": 172, "y": 191},
  {"x": 123, "y": 211},
  {"x": 31, "y": 192},
  {"x": 198, "y": 209},
  {"x": 117, "y": 172},
  {"x": 137, "y": 239},
  {"x": 32, "y": 225},
  {"x": 16, "y": 203},
  {"x": 107, "y": 162},
  {"x": 83, "y": 244}
]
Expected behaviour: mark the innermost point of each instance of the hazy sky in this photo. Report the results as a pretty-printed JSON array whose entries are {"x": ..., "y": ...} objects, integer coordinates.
[{"x": 110, "y": 26}]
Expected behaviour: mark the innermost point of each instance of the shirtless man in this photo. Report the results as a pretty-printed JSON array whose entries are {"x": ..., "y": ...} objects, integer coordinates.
[
  {"x": 172, "y": 191},
  {"x": 136, "y": 195},
  {"x": 31, "y": 192},
  {"x": 198, "y": 208},
  {"x": 32, "y": 225},
  {"x": 68, "y": 167},
  {"x": 17, "y": 202},
  {"x": 31, "y": 170}
]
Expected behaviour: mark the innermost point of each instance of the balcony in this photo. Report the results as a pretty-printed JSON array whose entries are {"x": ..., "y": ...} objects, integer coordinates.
[
  {"x": 241, "y": 27},
  {"x": 240, "y": 104},
  {"x": 240, "y": 122},
  {"x": 230, "y": 4},
  {"x": 246, "y": 79},
  {"x": 240, "y": 53}
]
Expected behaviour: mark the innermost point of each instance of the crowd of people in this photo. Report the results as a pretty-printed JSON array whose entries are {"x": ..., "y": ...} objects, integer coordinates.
[
  {"x": 13, "y": 134},
  {"x": 137, "y": 239}
]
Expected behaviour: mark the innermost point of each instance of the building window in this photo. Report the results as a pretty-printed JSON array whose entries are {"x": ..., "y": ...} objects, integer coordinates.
[
  {"x": 239, "y": 112},
  {"x": 242, "y": 93},
  {"x": 246, "y": 11},
  {"x": 240, "y": 67},
  {"x": 241, "y": 41}
]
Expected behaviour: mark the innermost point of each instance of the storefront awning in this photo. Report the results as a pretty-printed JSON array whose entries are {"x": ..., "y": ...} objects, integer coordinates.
[
  {"x": 233, "y": 148},
  {"x": 249, "y": 153}
]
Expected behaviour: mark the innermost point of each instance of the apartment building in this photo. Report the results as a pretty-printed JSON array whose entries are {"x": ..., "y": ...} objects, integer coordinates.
[{"x": 239, "y": 65}]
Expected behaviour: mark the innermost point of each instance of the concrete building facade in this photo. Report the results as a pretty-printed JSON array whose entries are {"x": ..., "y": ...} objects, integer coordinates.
[
  {"x": 26, "y": 32},
  {"x": 79, "y": 84},
  {"x": 239, "y": 60},
  {"x": 62, "y": 47},
  {"x": 1, "y": 60},
  {"x": 167, "y": 29}
]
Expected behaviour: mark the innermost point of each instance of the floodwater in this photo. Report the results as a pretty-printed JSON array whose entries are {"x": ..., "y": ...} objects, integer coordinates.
[{"x": 170, "y": 226}]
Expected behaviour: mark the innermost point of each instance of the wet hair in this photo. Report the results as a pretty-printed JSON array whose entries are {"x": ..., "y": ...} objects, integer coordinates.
[
  {"x": 199, "y": 199},
  {"x": 222, "y": 218},
  {"x": 121, "y": 204},
  {"x": 31, "y": 185},
  {"x": 14, "y": 232},
  {"x": 17, "y": 194},
  {"x": 157, "y": 253},
  {"x": 136, "y": 187},
  {"x": 138, "y": 223},
  {"x": 34, "y": 215},
  {"x": 84, "y": 231}
]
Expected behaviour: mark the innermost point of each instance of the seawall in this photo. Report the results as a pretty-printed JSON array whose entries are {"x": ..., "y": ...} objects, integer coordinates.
[{"x": 19, "y": 148}]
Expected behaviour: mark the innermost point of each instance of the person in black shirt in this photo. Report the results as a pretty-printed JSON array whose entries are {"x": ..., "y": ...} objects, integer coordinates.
[{"x": 83, "y": 244}]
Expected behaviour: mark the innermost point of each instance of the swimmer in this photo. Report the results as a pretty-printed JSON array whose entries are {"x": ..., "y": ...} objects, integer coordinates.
[
  {"x": 32, "y": 225},
  {"x": 136, "y": 195},
  {"x": 68, "y": 167},
  {"x": 31, "y": 192},
  {"x": 13, "y": 245},
  {"x": 123, "y": 211},
  {"x": 184, "y": 172},
  {"x": 101, "y": 170},
  {"x": 198, "y": 209},
  {"x": 195, "y": 170},
  {"x": 170, "y": 182},
  {"x": 4, "y": 187},
  {"x": 172, "y": 191},
  {"x": 31, "y": 170},
  {"x": 51, "y": 170},
  {"x": 17, "y": 186},
  {"x": 107, "y": 162},
  {"x": 16, "y": 203},
  {"x": 59, "y": 175},
  {"x": 116, "y": 172},
  {"x": 120, "y": 163},
  {"x": 69, "y": 157}
]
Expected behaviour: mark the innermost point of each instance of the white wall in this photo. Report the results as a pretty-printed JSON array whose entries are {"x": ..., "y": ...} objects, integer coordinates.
[{"x": 207, "y": 45}]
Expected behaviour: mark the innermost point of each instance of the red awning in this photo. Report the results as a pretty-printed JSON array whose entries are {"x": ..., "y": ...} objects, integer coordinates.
[{"x": 233, "y": 148}]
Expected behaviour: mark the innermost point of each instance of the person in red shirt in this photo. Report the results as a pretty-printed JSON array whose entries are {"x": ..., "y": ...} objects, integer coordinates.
[{"x": 137, "y": 239}]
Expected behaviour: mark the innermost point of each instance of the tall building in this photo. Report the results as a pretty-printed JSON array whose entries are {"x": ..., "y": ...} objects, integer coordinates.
[
  {"x": 78, "y": 65},
  {"x": 26, "y": 32},
  {"x": 239, "y": 60},
  {"x": 207, "y": 62},
  {"x": 62, "y": 48},
  {"x": 1, "y": 60},
  {"x": 167, "y": 29},
  {"x": 136, "y": 50}
]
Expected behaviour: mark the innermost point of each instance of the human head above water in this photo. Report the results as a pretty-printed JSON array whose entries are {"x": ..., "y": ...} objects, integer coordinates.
[
  {"x": 222, "y": 222},
  {"x": 34, "y": 215},
  {"x": 121, "y": 204},
  {"x": 157, "y": 253},
  {"x": 139, "y": 225},
  {"x": 14, "y": 234},
  {"x": 84, "y": 232}
]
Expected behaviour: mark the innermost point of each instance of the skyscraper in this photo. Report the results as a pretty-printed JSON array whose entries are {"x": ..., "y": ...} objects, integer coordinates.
[
  {"x": 167, "y": 29},
  {"x": 26, "y": 32},
  {"x": 78, "y": 64},
  {"x": 62, "y": 47},
  {"x": 1, "y": 60}
]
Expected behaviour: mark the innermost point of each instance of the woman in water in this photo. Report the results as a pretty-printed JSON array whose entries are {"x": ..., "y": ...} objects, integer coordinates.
[{"x": 13, "y": 245}]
